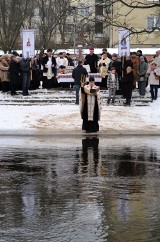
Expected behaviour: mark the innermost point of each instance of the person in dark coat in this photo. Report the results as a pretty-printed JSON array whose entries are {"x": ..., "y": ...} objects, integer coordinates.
[
  {"x": 126, "y": 61},
  {"x": 92, "y": 60},
  {"x": 14, "y": 70},
  {"x": 70, "y": 61},
  {"x": 128, "y": 85},
  {"x": 79, "y": 75},
  {"x": 49, "y": 70},
  {"x": 35, "y": 82},
  {"x": 25, "y": 67},
  {"x": 118, "y": 66}
]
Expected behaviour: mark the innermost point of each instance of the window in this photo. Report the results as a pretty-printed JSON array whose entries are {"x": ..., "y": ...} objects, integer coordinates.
[
  {"x": 153, "y": 22},
  {"x": 98, "y": 10},
  {"x": 84, "y": 10},
  {"x": 99, "y": 1},
  {"x": 69, "y": 28},
  {"x": 98, "y": 27}
]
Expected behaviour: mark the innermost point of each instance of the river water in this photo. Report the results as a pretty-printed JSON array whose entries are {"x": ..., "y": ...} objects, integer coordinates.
[{"x": 80, "y": 189}]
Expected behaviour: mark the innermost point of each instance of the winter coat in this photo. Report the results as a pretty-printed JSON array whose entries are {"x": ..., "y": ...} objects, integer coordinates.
[
  {"x": 152, "y": 76},
  {"x": 113, "y": 82},
  {"x": 157, "y": 59},
  {"x": 135, "y": 62},
  {"x": 128, "y": 83},
  {"x": 44, "y": 62},
  {"x": 25, "y": 65},
  {"x": 103, "y": 64},
  {"x": 77, "y": 74},
  {"x": 117, "y": 64},
  {"x": 142, "y": 70},
  {"x": 92, "y": 61},
  {"x": 4, "y": 72}
]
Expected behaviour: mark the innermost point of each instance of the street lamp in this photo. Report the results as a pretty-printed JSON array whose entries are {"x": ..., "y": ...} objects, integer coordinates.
[{"x": 73, "y": 9}]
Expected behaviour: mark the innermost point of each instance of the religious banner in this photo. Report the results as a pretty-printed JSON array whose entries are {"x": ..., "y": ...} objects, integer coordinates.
[
  {"x": 28, "y": 40},
  {"x": 123, "y": 42}
]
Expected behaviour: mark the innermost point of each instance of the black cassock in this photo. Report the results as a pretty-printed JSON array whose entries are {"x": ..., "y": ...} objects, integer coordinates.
[
  {"x": 89, "y": 126},
  {"x": 49, "y": 83},
  {"x": 92, "y": 61}
]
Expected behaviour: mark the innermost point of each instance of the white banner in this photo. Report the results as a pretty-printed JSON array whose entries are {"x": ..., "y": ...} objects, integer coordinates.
[
  {"x": 123, "y": 42},
  {"x": 28, "y": 37}
]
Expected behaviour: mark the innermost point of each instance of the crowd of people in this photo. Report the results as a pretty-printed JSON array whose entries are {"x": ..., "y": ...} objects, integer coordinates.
[
  {"x": 122, "y": 75},
  {"x": 20, "y": 73},
  {"x": 119, "y": 75}
]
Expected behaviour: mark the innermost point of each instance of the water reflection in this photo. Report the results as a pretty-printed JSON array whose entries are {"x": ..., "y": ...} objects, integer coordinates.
[
  {"x": 131, "y": 164},
  {"x": 85, "y": 190},
  {"x": 90, "y": 156}
]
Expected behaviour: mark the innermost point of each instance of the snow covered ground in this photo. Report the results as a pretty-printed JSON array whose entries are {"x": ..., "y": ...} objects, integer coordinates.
[{"x": 65, "y": 119}]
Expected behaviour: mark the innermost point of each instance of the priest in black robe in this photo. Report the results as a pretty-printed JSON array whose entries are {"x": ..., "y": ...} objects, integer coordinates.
[
  {"x": 49, "y": 70},
  {"x": 92, "y": 60},
  {"x": 90, "y": 106}
]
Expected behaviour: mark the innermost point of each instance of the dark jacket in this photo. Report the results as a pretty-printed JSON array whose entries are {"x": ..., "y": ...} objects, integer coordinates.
[
  {"x": 70, "y": 61},
  {"x": 92, "y": 61},
  {"x": 77, "y": 74},
  {"x": 14, "y": 68},
  {"x": 117, "y": 65},
  {"x": 25, "y": 65}
]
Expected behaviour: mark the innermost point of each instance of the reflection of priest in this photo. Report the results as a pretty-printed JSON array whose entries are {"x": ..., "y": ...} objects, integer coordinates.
[
  {"x": 90, "y": 106},
  {"x": 90, "y": 156},
  {"x": 91, "y": 60},
  {"x": 49, "y": 70}
]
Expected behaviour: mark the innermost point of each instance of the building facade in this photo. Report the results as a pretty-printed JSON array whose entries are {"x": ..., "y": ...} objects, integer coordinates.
[
  {"x": 143, "y": 23},
  {"x": 96, "y": 23}
]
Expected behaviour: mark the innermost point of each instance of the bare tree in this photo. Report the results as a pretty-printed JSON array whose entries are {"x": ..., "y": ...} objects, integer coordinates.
[
  {"x": 121, "y": 19},
  {"x": 12, "y": 16},
  {"x": 51, "y": 20},
  {"x": 106, "y": 14}
]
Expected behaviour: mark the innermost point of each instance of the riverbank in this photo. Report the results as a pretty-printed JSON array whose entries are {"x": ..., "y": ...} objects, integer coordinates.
[{"x": 59, "y": 119}]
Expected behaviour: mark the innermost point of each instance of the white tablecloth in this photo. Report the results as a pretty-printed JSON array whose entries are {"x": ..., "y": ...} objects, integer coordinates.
[{"x": 68, "y": 77}]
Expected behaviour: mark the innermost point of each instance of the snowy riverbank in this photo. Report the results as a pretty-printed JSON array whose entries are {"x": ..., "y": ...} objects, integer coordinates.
[{"x": 65, "y": 119}]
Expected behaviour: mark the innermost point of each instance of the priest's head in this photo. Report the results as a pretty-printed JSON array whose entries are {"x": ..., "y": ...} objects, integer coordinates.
[
  {"x": 49, "y": 52},
  {"x": 91, "y": 81}
]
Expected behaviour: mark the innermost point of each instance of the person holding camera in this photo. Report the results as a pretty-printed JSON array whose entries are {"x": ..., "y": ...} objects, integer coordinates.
[
  {"x": 153, "y": 79},
  {"x": 90, "y": 106}
]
